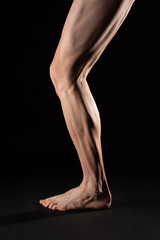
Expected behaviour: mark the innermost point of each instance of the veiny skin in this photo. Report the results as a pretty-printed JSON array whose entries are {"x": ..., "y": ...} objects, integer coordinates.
[{"x": 89, "y": 27}]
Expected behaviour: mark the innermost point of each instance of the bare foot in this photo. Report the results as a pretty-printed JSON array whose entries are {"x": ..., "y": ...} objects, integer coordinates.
[{"x": 78, "y": 198}]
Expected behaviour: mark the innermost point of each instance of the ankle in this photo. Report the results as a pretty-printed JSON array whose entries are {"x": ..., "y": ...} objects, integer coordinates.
[{"x": 95, "y": 186}]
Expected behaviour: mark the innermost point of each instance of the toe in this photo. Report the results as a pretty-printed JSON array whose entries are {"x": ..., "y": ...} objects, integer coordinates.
[
  {"x": 45, "y": 203},
  {"x": 61, "y": 208},
  {"x": 54, "y": 207},
  {"x": 50, "y": 205}
]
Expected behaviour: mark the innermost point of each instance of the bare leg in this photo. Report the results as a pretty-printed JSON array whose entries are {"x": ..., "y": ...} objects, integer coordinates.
[{"x": 88, "y": 29}]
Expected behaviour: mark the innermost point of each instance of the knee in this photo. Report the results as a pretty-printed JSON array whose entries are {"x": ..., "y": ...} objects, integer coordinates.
[
  {"x": 61, "y": 78},
  {"x": 54, "y": 76},
  {"x": 64, "y": 73}
]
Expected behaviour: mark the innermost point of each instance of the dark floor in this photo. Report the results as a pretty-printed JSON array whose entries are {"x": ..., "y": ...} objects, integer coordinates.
[{"x": 134, "y": 215}]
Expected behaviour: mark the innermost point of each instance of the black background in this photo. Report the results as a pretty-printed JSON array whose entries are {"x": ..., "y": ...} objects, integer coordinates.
[
  {"x": 38, "y": 159},
  {"x": 124, "y": 83}
]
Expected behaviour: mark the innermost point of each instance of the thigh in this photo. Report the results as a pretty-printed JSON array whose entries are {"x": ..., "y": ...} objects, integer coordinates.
[{"x": 89, "y": 27}]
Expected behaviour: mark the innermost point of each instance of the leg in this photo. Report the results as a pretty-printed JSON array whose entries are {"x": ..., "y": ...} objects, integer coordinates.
[{"x": 88, "y": 29}]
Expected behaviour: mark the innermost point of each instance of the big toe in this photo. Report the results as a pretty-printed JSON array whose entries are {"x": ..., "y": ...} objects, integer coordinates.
[{"x": 45, "y": 203}]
